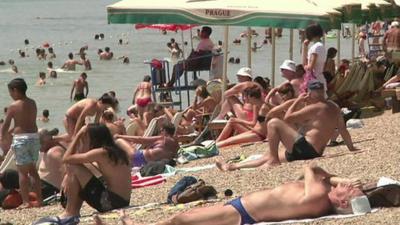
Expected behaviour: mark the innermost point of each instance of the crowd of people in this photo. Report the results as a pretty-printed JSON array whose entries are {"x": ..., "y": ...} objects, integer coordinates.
[{"x": 92, "y": 160}]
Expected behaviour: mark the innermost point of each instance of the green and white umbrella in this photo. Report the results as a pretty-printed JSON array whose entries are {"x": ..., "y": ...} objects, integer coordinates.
[{"x": 263, "y": 13}]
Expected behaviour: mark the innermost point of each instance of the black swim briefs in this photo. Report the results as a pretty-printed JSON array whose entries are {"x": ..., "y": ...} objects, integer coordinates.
[{"x": 302, "y": 150}]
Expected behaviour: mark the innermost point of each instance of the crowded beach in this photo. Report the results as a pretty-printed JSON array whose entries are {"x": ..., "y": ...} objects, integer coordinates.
[{"x": 322, "y": 145}]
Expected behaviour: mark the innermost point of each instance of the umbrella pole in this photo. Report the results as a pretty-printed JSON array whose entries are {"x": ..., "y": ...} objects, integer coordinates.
[
  {"x": 338, "y": 48},
  {"x": 249, "y": 47},
  {"x": 225, "y": 70},
  {"x": 273, "y": 58},
  {"x": 353, "y": 41},
  {"x": 183, "y": 45},
  {"x": 291, "y": 44},
  {"x": 191, "y": 38}
]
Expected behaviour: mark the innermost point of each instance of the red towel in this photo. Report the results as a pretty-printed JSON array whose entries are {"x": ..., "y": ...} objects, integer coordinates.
[{"x": 139, "y": 181}]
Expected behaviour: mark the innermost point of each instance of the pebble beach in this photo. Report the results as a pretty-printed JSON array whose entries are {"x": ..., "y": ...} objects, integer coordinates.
[{"x": 378, "y": 156}]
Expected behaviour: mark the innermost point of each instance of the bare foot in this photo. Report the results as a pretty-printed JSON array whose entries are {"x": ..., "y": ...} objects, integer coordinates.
[
  {"x": 25, "y": 205},
  {"x": 270, "y": 163},
  {"x": 97, "y": 220},
  {"x": 221, "y": 165},
  {"x": 124, "y": 218}
]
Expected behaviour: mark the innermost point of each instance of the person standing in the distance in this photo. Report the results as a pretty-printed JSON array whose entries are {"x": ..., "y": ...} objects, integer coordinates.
[
  {"x": 25, "y": 142},
  {"x": 314, "y": 56},
  {"x": 79, "y": 86},
  {"x": 85, "y": 61}
]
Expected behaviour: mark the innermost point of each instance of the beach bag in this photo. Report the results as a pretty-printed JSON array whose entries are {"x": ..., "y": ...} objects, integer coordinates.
[
  {"x": 189, "y": 189},
  {"x": 195, "y": 192},
  {"x": 157, "y": 72},
  {"x": 180, "y": 186},
  {"x": 384, "y": 196}
]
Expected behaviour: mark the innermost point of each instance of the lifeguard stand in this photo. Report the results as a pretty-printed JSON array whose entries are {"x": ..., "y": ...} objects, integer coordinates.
[{"x": 160, "y": 75}]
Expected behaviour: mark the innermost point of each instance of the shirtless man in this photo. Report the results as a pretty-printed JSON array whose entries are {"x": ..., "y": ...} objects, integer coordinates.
[
  {"x": 25, "y": 142},
  {"x": 77, "y": 113},
  {"x": 115, "y": 126},
  {"x": 391, "y": 40},
  {"x": 232, "y": 102},
  {"x": 85, "y": 61},
  {"x": 319, "y": 119},
  {"x": 51, "y": 169},
  {"x": 106, "y": 55},
  {"x": 319, "y": 194},
  {"x": 70, "y": 64},
  {"x": 157, "y": 148},
  {"x": 79, "y": 86}
]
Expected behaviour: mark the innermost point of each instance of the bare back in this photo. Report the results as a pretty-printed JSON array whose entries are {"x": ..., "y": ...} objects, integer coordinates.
[
  {"x": 320, "y": 129},
  {"x": 116, "y": 176},
  {"x": 24, "y": 113},
  {"x": 163, "y": 148},
  {"x": 288, "y": 201},
  {"x": 393, "y": 39},
  {"x": 70, "y": 65},
  {"x": 75, "y": 110},
  {"x": 143, "y": 90}
]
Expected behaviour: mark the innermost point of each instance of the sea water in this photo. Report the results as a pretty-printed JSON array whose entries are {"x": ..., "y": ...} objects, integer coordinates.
[{"x": 67, "y": 25}]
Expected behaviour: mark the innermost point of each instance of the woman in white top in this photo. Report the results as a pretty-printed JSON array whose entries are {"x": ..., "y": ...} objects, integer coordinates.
[{"x": 314, "y": 56}]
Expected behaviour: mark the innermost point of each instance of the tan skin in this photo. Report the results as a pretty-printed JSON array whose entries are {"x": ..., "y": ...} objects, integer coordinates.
[
  {"x": 316, "y": 196},
  {"x": 70, "y": 65},
  {"x": 117, "y": 176},
  {"x": 143, "y": 90},
  {"x": 319, "y": 118},
  {"x": 240, "y": 126},
  {"x": 23, "y": 112},
  {"x": 78, "y": 112},
  {"x": 116, "y": 127},
  {"x": 51, "y": 168},
  {"x": 261, "y": 128},
  {"x": 158, "y": 147},
  {"x": 85, "y": 62},
  {"x": 232, "y": 103},
  {"x": 79, "y": 86}
]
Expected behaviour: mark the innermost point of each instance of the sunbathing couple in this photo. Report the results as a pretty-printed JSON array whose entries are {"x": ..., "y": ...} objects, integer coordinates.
[
  {"x": 249, "y": 125},
  {"x": 306, "y": 127},
  {"x": 319, "y": 194}
]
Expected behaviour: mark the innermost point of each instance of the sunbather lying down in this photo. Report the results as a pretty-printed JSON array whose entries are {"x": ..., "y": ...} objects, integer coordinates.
[{"x": 319, "y": 194}]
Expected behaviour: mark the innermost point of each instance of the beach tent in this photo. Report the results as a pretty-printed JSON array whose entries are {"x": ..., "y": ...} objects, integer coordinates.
[{"x": 283, "y": 13}]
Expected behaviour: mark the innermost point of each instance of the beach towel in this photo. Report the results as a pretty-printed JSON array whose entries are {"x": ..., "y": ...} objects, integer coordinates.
[
  {"x": 314, "y": 219},
  {"x": 206, "y": 149},
  {"x": 138, "y": 181}
]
